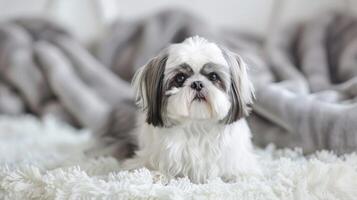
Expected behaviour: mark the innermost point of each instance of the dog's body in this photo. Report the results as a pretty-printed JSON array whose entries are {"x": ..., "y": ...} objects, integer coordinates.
[
  {"x": 198, "y": 150},
  {"x": 194, "y": 97}
]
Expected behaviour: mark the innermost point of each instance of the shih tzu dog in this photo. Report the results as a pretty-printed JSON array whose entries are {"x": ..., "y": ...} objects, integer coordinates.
[{"x": 193, "y": 98}]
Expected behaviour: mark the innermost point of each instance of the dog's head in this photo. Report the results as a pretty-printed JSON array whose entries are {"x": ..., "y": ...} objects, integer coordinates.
[{"x": 193, "y": 80}]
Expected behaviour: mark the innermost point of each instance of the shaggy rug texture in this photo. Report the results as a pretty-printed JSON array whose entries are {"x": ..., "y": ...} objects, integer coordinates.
[{"x": 45, "y": 160}]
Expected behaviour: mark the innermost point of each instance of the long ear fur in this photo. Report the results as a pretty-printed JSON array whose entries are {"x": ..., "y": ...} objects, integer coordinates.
[
  {"x": 148, "y": 86},
  {"x": 241, "y": 90}
]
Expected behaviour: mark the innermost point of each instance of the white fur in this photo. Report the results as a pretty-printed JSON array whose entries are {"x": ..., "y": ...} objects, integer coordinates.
[
  {"x": 200, "y": 151},
  {"x": 196, "y": 51},
  {"x": 199, "y": 145}
]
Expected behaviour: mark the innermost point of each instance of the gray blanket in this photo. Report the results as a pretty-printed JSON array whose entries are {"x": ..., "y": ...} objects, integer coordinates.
[{"x": 305, "y": 75}]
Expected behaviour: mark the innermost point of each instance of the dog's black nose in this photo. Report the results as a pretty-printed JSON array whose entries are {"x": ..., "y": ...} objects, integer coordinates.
[{"x": 197, "y": 85}]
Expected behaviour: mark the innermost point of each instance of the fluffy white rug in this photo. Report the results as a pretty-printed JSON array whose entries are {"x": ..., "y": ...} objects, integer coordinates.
[{"x": 44, "y": 160}]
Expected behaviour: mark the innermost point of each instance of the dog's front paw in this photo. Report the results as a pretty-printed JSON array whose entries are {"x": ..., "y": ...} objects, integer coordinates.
[
  {"x": 158, "y": 177},
  {"x": 229, "y": 179}
]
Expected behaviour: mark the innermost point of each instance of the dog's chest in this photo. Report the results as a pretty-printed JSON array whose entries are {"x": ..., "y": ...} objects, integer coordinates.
[
  {"x": 194, "y": 142},
  {"x": 193, "y": 150},
  {"x": 199, "y": 151}
]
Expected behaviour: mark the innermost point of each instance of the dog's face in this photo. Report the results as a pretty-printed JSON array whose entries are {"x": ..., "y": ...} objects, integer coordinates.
[{"x": 193, "y": 80}]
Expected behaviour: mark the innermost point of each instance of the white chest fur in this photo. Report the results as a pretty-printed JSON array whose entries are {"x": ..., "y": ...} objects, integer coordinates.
[{"x": 197, "y": 150}]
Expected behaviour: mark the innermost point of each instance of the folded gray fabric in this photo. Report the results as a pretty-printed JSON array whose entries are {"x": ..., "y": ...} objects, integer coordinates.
[
  {"x": 45, "y": 71},
  {"x": 313, "y": 99}
]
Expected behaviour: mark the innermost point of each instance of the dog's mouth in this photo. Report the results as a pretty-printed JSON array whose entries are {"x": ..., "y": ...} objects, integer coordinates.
[{"x": 199, "y": 97}]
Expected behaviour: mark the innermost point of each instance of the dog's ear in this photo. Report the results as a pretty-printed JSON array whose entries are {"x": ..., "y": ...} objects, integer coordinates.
[
  {"x": 148, "y": 86},
  {"x": 241, "y": 90}
]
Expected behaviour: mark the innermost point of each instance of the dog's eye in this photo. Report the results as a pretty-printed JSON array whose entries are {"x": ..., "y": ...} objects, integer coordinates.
[
  {"x": 180, "y": 78},
  {"x": 213, "y": 76}
]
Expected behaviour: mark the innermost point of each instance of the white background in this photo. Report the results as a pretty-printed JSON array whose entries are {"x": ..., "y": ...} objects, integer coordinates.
[{"x": 87, "y": 18}]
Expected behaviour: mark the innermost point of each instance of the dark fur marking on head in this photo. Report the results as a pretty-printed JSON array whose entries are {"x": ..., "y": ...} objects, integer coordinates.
[
  {"x": 184, "y": 69},
  {"x": 241, "y": 91},
  {"x": 220, "y": 70},
  {"x": 154, "y": 77}
]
